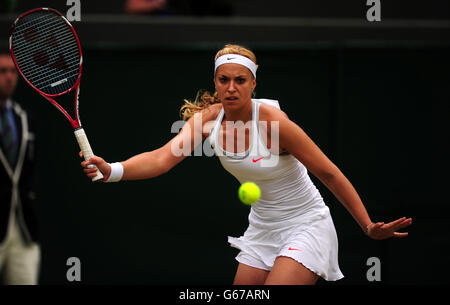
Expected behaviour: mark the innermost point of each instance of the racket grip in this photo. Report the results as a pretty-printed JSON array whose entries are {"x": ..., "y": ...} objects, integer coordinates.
[{"x": 86, "y": 149}]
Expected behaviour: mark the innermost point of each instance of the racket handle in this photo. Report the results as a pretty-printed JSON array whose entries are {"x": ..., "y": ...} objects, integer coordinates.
[{"x": 86, "y": 149}]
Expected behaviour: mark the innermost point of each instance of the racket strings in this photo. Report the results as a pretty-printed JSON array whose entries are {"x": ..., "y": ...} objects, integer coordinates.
[
  {"x": 45, "y": 77},
  {"x": 41, "y": 58},
  {"x": 46, "y": 51},
  {"x": 40, "y": 15},
  {"x": 21, "y": 50}
]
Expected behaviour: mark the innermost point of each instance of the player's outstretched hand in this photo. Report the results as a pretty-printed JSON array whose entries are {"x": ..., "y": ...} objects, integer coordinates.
[
  {"x": 90, "y": 167},
  {"x": 380, "y": 230}
]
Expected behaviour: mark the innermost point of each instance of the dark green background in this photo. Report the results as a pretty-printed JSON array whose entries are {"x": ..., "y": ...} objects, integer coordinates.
[
  {"x": 379, "y": 112},
  {"x": 373, "y": 96}
]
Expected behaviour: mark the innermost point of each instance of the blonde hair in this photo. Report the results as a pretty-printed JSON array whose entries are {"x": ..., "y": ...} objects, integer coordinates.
[{"x": 204, "y": 98}]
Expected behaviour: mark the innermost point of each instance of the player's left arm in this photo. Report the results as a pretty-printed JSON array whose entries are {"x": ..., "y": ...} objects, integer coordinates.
[{"x": 293, "y": 139}]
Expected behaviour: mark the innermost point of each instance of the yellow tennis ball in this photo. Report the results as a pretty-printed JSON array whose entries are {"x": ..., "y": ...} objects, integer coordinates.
[{"x": 249, "y": 193}]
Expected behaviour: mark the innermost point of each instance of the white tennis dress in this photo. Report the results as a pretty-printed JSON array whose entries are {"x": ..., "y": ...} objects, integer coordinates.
[{"x": 290, "y": 219}]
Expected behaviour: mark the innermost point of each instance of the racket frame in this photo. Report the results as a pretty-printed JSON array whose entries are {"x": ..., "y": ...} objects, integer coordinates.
[{"x": 75, "y": 122}]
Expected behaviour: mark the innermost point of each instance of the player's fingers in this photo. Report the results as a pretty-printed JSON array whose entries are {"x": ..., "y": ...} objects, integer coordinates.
[
  {"x": 375, "y": 229},
  {"x": 80, "y": 154},
  {"x": 90, "y": 170},
  {"x": 378, "y": 225},
  {"x": 395, "y": 222},
  {"x": 87, "y": 164},
  {"x": 401, "y": 224},
  {"x": 95, "y": 160},
  {"x": 400, "y": 235},
  {"x": 92, "y": 175},
  {"x": 405, "y": 223}
]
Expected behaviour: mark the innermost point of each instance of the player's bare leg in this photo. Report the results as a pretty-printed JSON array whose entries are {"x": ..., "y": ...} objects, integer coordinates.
[
  {"x": 286, "y": 271},
  {"x": 246, "y": 275}
]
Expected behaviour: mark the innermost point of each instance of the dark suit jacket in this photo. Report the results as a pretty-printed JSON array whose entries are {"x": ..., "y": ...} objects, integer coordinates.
[{"x": 18, "y": 181}]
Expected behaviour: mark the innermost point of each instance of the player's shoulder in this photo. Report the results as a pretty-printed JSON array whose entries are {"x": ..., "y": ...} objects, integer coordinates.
[
  {"x": 271, "y": 113},
  {"x": 212, "y": 111}
]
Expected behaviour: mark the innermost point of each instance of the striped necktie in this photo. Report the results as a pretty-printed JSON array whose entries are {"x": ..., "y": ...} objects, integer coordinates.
[{"x": 8, "y": 140}]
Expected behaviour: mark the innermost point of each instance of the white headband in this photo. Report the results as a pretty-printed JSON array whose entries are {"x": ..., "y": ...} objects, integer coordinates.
[{"x": 236, "y": 59}]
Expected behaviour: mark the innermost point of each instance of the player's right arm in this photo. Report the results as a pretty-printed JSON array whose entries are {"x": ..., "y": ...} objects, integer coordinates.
[{"x": 159, "y": 161}]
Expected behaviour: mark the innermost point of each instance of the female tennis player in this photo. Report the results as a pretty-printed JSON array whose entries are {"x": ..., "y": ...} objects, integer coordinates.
[{"x": 291, "y": 237}]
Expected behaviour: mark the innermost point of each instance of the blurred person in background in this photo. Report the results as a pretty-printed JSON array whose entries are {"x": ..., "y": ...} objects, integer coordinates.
[
  {"x": 145, "y": 6},
  {"x": 19, "y": 248},
  {"x": 180, "y": 7}
]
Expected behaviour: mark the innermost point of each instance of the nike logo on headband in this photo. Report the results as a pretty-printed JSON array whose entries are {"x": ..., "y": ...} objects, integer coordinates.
[{"x": 237, "y": 59}]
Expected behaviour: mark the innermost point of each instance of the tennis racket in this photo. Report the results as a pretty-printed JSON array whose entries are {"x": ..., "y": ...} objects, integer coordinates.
[{"x": 47, "y": 53}]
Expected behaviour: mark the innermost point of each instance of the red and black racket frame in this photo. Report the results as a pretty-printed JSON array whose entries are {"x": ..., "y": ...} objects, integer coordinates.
[{"x": 76, "y": 124}]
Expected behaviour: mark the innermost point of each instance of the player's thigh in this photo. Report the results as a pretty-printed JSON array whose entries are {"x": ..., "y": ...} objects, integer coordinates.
[
  {"x": 247, "y": 275},
  {"x": 287, "y": 271}
]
